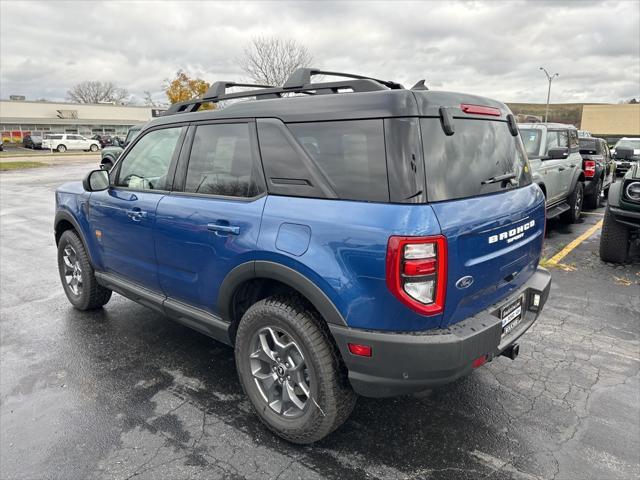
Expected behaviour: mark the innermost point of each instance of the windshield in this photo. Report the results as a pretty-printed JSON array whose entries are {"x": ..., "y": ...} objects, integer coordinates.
[
  {"x": 481, "y": 157},
  {"x": 131, "y": 134},
  {"x": 531, "y": 138},
  {"x": 629, "y": 143}
]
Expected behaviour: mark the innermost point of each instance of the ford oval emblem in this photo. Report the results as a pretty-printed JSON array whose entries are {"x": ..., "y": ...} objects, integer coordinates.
[{"x": 464, "y": 282}]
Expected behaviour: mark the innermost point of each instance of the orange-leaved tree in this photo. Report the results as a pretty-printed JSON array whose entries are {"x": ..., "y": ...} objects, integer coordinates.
[{"x": 183, "y": 88}]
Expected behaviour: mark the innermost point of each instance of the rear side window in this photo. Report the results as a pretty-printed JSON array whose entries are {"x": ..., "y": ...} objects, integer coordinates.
[
  {"x": 404, "y": 160},
  {"x": 557, "y": 138},
  {"x": 222, "y": 162},
  {"x": 350, "y": 154},
  {"x": 463, "y": 165},
  {"x": 531, "y": 138}
]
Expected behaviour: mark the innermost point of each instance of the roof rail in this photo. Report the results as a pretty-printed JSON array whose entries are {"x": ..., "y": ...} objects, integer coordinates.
[
  {"x": 218, "y": 91},
  {"x": 220, "y": 88},
  {"x": 302, "y": 76}
]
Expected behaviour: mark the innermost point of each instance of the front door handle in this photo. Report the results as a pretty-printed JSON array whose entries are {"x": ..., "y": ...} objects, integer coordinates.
[
  {"x": 136, "y": 214},
  {"x": 218, "y": 228}
]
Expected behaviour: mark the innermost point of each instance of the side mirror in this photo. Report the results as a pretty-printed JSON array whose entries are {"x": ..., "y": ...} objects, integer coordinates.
[
  {"x": 624, "y": 153},
  {"x": 557, "y": 153},
  {"x": 96, "y": 181}
]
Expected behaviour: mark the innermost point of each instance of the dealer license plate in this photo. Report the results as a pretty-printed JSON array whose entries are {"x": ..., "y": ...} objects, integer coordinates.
[{"x": 511, "y": 315}]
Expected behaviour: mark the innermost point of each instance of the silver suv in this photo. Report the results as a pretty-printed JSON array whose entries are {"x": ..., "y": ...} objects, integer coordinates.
[{"x": 556, "y": 164}]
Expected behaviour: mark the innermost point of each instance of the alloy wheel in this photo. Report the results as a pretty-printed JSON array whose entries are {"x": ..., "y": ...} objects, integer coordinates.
[
  {"x": 280, "y": 372},
  {"x": 72, "y": 270}
]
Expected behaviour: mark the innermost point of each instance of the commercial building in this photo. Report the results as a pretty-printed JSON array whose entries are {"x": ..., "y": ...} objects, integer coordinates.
[
  {"x": 612, "y": 121},
  {"x": 19, "y": 118}
]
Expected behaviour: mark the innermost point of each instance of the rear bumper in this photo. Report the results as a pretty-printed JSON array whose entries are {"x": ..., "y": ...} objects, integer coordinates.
[{"x": 403, "y": 363}]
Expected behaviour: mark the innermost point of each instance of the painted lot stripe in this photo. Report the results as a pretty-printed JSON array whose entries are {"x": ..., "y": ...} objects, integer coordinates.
[
  {"x": 553, "y": 261},
  {"x": 592, "y": 213}
]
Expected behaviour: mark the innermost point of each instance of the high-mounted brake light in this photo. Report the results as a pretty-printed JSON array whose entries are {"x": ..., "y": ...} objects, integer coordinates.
[
  {"x": 589, "y": 168},
  {"x": 417, "y": 272},
  {"x": 480, "y": 110}
]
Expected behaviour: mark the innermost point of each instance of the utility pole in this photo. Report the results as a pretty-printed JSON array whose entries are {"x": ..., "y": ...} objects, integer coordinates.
[{"x": 550, "y": 79}]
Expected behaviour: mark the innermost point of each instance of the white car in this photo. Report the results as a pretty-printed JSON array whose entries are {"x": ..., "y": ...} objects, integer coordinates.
[{"x": 67, "y": 141}]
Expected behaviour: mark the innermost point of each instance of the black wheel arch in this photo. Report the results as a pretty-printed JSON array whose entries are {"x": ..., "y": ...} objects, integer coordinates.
[
  {"x": 265, "y": 276},
  {"x": 65, "y": 221}
]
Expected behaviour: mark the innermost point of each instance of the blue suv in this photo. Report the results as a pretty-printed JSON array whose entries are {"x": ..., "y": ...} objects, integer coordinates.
[{"x": 346, "y": 238}]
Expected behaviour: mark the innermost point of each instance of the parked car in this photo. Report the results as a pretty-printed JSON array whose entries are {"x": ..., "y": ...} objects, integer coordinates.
[
  {"x": 628, "y": 156},
  {"x": 32, "y": 141},
  {"x": 556, "y": 165},
  {"x": 599, "y": 170},
  {"x": 304, "y": 232},
  {"x": 110, "y": 154},
  {"x": 67, "y": 141},
  {"x": 622, "y": 217}
]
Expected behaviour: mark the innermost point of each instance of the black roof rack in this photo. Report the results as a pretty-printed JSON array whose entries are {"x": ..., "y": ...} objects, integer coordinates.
[
  {"x": 302, "y": 76},
  {"x": 298, "y": 82}
]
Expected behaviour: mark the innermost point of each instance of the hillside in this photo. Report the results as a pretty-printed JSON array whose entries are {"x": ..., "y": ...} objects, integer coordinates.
[{"x": 558, "y": 112}]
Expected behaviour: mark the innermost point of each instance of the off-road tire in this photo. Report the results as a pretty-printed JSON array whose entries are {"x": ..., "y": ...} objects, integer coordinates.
[
  {"x": 575, "y": 203},
  {"x": 92, "y": 295},
  {"x": 614, "y": 240},
  {"x": 332, "y": 399},
  {"x": 595, "y": 200},
  {"x": 61, "y": 148}
]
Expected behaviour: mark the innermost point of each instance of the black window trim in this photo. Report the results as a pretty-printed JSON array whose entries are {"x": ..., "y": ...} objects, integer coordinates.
[
  {"x": 180, "y": 178},
  {"x": 172, "y": 165}
]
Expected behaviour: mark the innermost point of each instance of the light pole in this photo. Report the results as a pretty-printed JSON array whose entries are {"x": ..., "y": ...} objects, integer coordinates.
[{"x": 550, "y": 78}]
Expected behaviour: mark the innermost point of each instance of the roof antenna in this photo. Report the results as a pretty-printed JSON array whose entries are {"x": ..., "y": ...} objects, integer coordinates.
[{"x": 420, "y": 85}]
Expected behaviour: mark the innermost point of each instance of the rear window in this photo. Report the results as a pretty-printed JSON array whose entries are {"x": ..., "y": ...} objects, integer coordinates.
[
  {"x": 350, "y": 154},
  {"x": 462, "y": 165},
  {"x": 589, "y": 146}
]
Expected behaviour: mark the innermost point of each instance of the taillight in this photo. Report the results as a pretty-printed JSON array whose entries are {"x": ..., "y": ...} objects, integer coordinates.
[
  {"x": 479, "y": 110},
  {"x": 589, "y": 168},
  {"x": 417, "y": 272}
]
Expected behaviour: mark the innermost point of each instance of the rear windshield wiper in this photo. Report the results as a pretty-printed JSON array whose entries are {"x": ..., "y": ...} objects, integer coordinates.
[{"x": 499, "y": 178}]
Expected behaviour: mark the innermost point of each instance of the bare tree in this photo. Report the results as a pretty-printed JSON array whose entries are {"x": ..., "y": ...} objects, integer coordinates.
[
  {"x": 91, "y": 91},
  {"x": 148, "y": 100},
  {"x": 270, "y": 60}
]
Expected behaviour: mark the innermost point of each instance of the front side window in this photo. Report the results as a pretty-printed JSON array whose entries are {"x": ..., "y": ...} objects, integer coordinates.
[
  {"x": 351, "y": 154},
  {"x": 146, "y": 166},
  {"x": 222, "y": 162}
]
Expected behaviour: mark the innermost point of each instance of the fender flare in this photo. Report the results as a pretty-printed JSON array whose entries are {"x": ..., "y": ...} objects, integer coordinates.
[
  {"x": 65, "y": 215},
  {"x": 282, "y": 274},
  {"x": 613, "y": 200},
  {"x": 576, "y": 177}
]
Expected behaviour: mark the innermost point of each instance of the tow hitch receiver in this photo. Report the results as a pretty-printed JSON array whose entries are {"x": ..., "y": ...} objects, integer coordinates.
[{"x": 512, "y": 351}]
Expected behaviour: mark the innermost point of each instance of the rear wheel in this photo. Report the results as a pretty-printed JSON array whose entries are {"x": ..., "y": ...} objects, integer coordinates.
[
  {"x": 575, "y": 203},
  {"x": 291, "y": 371},
  {"x": 61, "y": 148},
  {"x": 614, "y": 240},
  {"x": 93, "y": 147},
  {"x": 595, "y": 200},
  {"x": 77, "y": 276}
]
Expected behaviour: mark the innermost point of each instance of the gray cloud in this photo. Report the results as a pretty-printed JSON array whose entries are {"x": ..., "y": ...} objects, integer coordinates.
[{"x": 488, "y": 48}]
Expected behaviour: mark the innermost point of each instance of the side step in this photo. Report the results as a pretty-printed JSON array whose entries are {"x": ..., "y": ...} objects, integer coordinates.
[{"x": 558, "y": 209}]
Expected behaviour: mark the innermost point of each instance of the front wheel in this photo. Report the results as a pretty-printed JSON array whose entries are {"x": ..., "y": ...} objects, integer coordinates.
[
  {"x": 61, "y": 148},
  {"x": 575, "y": 204},
  {"x": 291, "y": 371},
  {"x": 93, "y": 147},
  {"x": 614, "y": 240},
  {"x": 77, "y": 275}
]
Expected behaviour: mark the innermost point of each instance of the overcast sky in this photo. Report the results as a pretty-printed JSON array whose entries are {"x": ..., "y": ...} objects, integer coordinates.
[{"x": 487, "y": 48}]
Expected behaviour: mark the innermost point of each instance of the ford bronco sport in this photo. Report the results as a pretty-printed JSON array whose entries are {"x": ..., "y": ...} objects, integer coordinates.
[
  {"x": 556, "y": 165},
  {"x": 347, "y": 237},
  {"x": 622, "y": 217}
]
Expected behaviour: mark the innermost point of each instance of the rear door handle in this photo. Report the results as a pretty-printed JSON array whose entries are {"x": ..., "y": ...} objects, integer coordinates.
[
  {"x": 216, "y": 227},
  {"x": 136, "y": 214},
  {"x": 561, "y": 169}
]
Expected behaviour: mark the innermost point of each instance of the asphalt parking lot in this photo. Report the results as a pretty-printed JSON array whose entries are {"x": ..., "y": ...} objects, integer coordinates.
[{"x": 126, "y": 393}]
